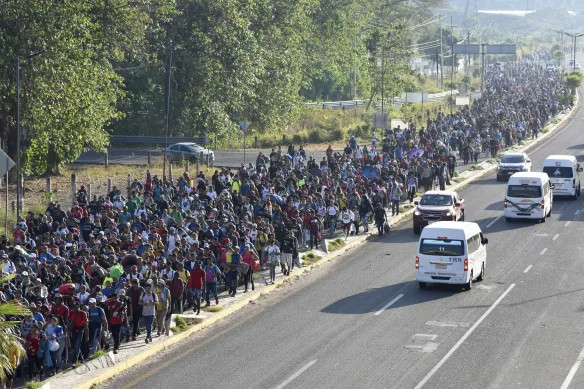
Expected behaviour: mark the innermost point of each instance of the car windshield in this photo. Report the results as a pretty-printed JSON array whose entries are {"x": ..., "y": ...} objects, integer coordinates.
[
  {"x": 513, "y": 159},
  {"x": 558, "y": 171},
  {"x": 441, "y": 200},
  {"x": 442, "y": 247},
  {"x": 525, "y": 191}
]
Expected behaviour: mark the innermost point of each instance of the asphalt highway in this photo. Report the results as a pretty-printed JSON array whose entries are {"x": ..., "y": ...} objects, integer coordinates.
[{"x": 363, "y": 322}]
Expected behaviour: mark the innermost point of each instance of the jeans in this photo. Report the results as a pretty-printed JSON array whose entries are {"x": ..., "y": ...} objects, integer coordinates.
[
  {"x": 273, "y": 271},
  {"x": 76, "y": 339},
  {"x": 379, "y": 224},
  {"x": 136, "y": 315},
  {"x": 395, "y": 207},
  {"x": 211, "y": 288},
  {"x": 332, "y": 224},
  {"x": 365, "y": 221},
  {"x": 313, "y": 240},
  {"x": 232, "y": 279},
  {"x": 33, "y": 361},
  {"x": 116, "y": 330},
  {"x": 248, "y": 277},
  {"x": 94, "y": 335},
  {"x": 160, "y": 321},
  {"x": 149, "y": 320},
  {"x": 305, "y": 237}
]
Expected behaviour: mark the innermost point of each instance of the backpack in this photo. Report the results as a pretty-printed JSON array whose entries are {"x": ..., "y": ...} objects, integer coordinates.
[{"x": 209, "y": 274}]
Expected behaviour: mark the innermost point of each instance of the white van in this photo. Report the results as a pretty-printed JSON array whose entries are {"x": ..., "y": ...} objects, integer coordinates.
[
  {"x": 451, "y": 253},
  {"x": 564, "y": 173},
  {"x": 528, "y": 196}
]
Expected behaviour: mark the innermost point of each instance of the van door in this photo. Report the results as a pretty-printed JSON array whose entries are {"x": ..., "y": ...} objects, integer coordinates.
[
  {"x": 474, "y": 260},
  {"x": 442, "y": 259}
]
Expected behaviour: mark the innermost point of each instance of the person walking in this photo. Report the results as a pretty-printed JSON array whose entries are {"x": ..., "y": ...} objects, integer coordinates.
[
  {"x": 273, "y": 253},
  {"x": 134, "y": 294},
  {"x": 148, "y": 302},
  {"x": 249, "y": 257},
  {"x": 79, "y": 329},
  {"x": 442, "y": 175},
  {"x": 396, "y": 193},
  {"x": 314, "y": 223},
  {"x": 162, "y": 307},
  {"x": 196, "y": 286},
  {"x": 177, "y": 288},
  {"x": 116, "y": 314},
  {"x": 380, "y": 218},
  {"x": 211, "y": 274},
  {"x": 289, "y": 245},
  {"x": 97, "y": 324},
  {"x": 347, "y": 217},
  {"x": 232, "y": 275}
]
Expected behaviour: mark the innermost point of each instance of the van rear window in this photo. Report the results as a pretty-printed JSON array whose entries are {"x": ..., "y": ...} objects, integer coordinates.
[
  {"x": 558, "y": 171},
  {"x": 526, "y": 191},
  {"x": 442, "y": 247}
]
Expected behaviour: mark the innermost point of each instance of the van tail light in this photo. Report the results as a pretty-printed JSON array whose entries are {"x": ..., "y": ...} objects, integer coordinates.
[
  {"x": 542, "y": 204},
  {"x": 417, "y": 263},
  {"x": 505, "y": 203},
  {"x": 466, "y": 264}
]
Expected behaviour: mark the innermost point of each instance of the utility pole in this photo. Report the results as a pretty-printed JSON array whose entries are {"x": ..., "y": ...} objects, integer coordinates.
[
  {"x": 437, "y": 65},
  {"x": 355, "y": 65},
  {"x": 167, "y": 113},
  {"x": 383, "y": 79},
  {"x": 452, "y": 70},
  {"x": 483, "y": 68},
  {"x": 574, "y": 38},
  {"x": 18, "y": 182},
  {"x": 467, "y": 55},
  {"x": 441, "y": 55}
]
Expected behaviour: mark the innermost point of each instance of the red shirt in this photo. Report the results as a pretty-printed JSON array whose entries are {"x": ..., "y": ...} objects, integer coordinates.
[
  {"x": 115, "y": 312},
  {"x": 78, "y": 318},
  {"x": 60, "y": 310},
  {"x": 196, "y": 279}
]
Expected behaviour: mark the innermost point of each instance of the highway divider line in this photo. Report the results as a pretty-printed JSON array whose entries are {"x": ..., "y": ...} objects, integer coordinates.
[
  {"x": 464, "y": 337},
  {"x": 158, "y": 346},
  {"x": 543, "y": 251},
  {"x": 573, "y": 371},
  {"x": 556, "y": 237},
  {"x": 295, "y": 375},
  {"x": 528, "y": 269},
  {"x": 494, "y": 221},
  {"x": 389, "y": 304},
  {"x": 567, "y": 223}
]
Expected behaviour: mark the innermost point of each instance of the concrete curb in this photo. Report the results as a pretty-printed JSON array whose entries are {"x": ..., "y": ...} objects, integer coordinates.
[{"x": 159, "y": 346}]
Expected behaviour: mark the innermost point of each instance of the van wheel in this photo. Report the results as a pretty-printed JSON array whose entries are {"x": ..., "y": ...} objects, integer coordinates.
[
  {"x": 468, "y": 285},
  {"x": 422, "y": 285},
  {"x": 509, "y": 219},
  {"x": 542, "y": 220},
  {"x": 417, "y": 230},
  {"x": 482, "y": 275},
  {"x": 550, "y": 212}
]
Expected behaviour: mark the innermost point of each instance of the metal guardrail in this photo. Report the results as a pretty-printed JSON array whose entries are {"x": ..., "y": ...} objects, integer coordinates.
[
  {"x": 350, "y": 104},
  {"x": 203, "y": 140}
]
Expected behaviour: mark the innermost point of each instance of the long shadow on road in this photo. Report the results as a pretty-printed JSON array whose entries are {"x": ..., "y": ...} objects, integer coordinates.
[{"x": 373, "y": 299}]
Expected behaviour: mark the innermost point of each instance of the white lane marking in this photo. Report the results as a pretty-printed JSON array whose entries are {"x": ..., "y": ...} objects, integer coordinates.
[
  {"x": 573, "y": 371},
  {"x": 493, "y": 222},
  {"x": 528, "y": 269},
  {"x": 542, "y": 235},
  {"x": 556, "y": 237},
  {"x": 295, "y": 375},
  {"x": 389, "y": 304},
  {"x": 577, "y": 212},
  {"x": 543, "y": 251},
  {"x": 425, "y": 337},
  {"x": 464, "y": 337},
  {"x": 567, "y": 223}
]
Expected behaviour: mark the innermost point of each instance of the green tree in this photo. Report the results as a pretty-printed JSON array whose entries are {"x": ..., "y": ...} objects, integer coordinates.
[
  {"x": 10, "y": 345},
  {"x": 574, "y": 80}
]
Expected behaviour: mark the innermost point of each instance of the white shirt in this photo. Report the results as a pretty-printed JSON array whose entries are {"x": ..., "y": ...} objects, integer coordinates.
[{"x": 348, "y": 216}]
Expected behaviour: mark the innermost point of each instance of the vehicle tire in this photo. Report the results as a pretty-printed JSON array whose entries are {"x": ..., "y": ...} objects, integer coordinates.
[
  {"x": 422, "y": 285},
  {"x": 482, "y": 275},
  {"x": 549, "y": 213},
  {"x": 509, "y": 219},
  {"x": 543, "y": 219},
  {"x": 417, "y": 230},
  {"x": 468, "y": 285},
  {"x": 499, "y": 178},
  {"x": 461, "y": 216}
]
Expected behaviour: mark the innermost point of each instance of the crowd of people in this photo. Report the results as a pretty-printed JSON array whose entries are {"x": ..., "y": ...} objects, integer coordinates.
[{"x": 116, "y": 266}]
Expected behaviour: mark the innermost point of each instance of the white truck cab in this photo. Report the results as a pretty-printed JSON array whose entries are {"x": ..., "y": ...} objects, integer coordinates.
[
  {"x": 528, "y": 196},
  {"x": 564, "y": 173},
  {"x": 451, "y": 253}
]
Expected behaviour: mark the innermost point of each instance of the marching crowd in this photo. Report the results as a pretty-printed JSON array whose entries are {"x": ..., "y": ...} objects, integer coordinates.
[{"x": 117, "y": 266}]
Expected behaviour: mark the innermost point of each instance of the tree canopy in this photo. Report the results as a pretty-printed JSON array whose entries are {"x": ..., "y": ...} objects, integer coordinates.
[{"x": 92, "y": 68}]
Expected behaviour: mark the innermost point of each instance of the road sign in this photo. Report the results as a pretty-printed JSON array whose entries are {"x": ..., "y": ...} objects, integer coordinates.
[
  {"x": 5, "y": 163},
  {"x": 244, "y": 125},
  {"x": 462, "y": 101},
  {"x": 501, "y": 49},
  {"x": 414, "y": 97},
  {"x": 380, "y": 120},
  {"x": 467, "y": 49}
]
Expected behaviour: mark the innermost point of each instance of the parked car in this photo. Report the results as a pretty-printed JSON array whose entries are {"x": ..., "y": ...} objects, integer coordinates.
[
  {"x": 437, "y": 206},
  {"x": 188, "y": 151}
]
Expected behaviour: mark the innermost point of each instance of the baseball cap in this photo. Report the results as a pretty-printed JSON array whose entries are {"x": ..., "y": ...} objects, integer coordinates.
[
  {"x": 149, "y": 282},
  {"x": 24, "y": 274},
  {"x": 121, "y": 292},
  {"x": 161, "y": 282},
  {"x": 92, "y": 300}
]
